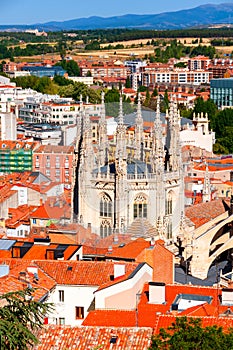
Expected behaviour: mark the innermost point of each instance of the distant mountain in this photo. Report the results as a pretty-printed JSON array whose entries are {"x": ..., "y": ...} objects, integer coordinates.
[{"x": 202, "y": 15}]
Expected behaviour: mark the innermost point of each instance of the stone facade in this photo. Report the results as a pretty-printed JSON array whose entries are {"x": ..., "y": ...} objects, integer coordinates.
[{"x": 118, "y": 181}]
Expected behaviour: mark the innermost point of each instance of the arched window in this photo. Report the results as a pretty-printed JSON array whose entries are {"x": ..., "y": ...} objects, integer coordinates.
[
  {"x": 168, "y": 204},
  {"x": 105, "y": 228},
  {"x": 140, "y": 207},
  {"x": 105, "y": 206},
  {"x": 169, "y": 230}
]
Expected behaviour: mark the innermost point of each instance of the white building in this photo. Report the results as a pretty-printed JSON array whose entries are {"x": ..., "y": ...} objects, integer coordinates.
[
  {"x": 77, "y": 283},
  {"x": 198, "y": 135},
  {"x": 85, "y": 80},
  {"x": 7, "y": 123}
]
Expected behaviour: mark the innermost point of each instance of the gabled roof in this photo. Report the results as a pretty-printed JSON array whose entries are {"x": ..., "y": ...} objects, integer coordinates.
[
  {"x": 81, "y": 272},
  {"x": 123, "y": 278},
  {"x": 46, "y": 211},
  {"x": 14, "y": 280},
  {"x": 84, "y": 338},
  {"x": 130, "y": 250}
]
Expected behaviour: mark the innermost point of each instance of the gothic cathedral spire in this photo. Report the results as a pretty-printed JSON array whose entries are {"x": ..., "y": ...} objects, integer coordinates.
[
  {"x": 102, "y": 134},
  {"x": 139, "y": 131}
]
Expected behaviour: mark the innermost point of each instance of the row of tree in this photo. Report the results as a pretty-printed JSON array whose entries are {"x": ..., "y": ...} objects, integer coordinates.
[{"x": 114, "y": 34}]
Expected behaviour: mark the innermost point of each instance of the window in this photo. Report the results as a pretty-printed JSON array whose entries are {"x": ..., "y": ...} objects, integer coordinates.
[
  {"x": 34, "y": 221},
  {"x": 16, "y": 252},
  {"x": 61, "y": 320},
  {"x": 105, "y": 206},
  {"x": 105, "y": 228},
  {"x": 169, "y": 230},
  {"x": 140, "y": 207},
  {"x": 168, "y": 204},
  {"x": 79, "y": 312},
  {"x": 61, "y": 295},
  {"x": 50, "y": 254}
]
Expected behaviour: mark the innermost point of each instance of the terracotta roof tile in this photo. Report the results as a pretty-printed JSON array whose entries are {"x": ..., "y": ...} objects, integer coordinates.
[
  {"x": 111, "y": 318},
  {"x": 201, "y": 213},
  {"x": 12, "y": 282},
  {"x": 81, "y": 272},
  {"x": 130, "y": 250},
  {"x": 87, "y": 338},
  {"x": 164, "y": 321}
]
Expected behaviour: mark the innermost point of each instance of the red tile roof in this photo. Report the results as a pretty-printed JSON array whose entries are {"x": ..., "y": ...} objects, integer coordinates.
[
  {"x": 81, "y": 272},
  {"x": 130, "y": 251},
  {"x": 12, "y": 282},
  {"x": 88, "y": 338},
  {"x": 51, "y": 212},
  {"x": 147, "y": 311},
  {"x": 201, "y": 213},
  {"x": 111, "y": 318},
  {"x": 164, "y": 321}
]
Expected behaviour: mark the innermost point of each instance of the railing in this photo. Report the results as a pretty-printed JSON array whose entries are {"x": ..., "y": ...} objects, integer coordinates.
[
  {"x": 102, "y": 176},
  {"x": 144, "y": 176}
]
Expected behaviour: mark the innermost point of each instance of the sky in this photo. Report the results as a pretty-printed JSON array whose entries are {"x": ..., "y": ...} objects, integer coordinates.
[{"x": 41, "y": 11}]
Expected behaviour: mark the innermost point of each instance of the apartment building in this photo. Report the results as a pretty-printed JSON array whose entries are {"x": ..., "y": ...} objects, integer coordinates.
[
  {"x": 181, "y": 76},
  {"x": 100, "y": 70},
  {"x": 55, "y": 162},
  {"x": 198, "y": 62},
  {"x": 59, "y": 112},
  {"x": 16, "y": 156}
]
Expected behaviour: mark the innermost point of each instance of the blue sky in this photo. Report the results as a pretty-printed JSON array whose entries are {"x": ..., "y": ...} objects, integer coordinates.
[{"x": 40, "y": 11}]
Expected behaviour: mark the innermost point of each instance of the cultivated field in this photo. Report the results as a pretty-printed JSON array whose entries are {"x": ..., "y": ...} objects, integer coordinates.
[{"x": 127, "y": 52}]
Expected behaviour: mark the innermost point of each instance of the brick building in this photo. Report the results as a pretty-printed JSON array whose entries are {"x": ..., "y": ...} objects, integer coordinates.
[{"x": 55, "y": 162}]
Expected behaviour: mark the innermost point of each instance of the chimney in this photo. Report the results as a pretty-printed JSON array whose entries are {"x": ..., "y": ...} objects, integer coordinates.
[
  {"x": 227, "y": 296},
  {"x": 174, "y": 309},
  {"x": 4, "y": 270},
  {"x": 157, "y": 292},
  {"x": 119, "y": 270},
  {"x": 32, "y": 269}
]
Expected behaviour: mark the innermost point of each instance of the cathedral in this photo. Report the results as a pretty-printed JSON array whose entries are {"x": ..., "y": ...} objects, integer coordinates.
[{"x": 130, "y": 182}]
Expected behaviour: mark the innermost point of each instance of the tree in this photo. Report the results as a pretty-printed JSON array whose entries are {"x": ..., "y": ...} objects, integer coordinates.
[
  {"x": 188, "y": 334},
  {"x": 165, "y": 102},
  {"x": 128, "y": 83},
  {"x": 20, "y": 318},
  {"x": 209, "y": 107},
  {"x": 147, "y": 99},
  {"x": 71, "y": 67},
  {"x": 154, "y": 93}
]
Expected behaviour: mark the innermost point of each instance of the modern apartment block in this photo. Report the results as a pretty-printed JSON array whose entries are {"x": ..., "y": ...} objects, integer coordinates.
[
  {"x": 100, "y": 70},
  {"x": 16, "y": 156},
  {"x": 181, "y": 76},
  {"x": 55, "y": 112}
]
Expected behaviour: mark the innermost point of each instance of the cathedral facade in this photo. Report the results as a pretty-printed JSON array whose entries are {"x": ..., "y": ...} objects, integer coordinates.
[{"x": 123, "y": 180}]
